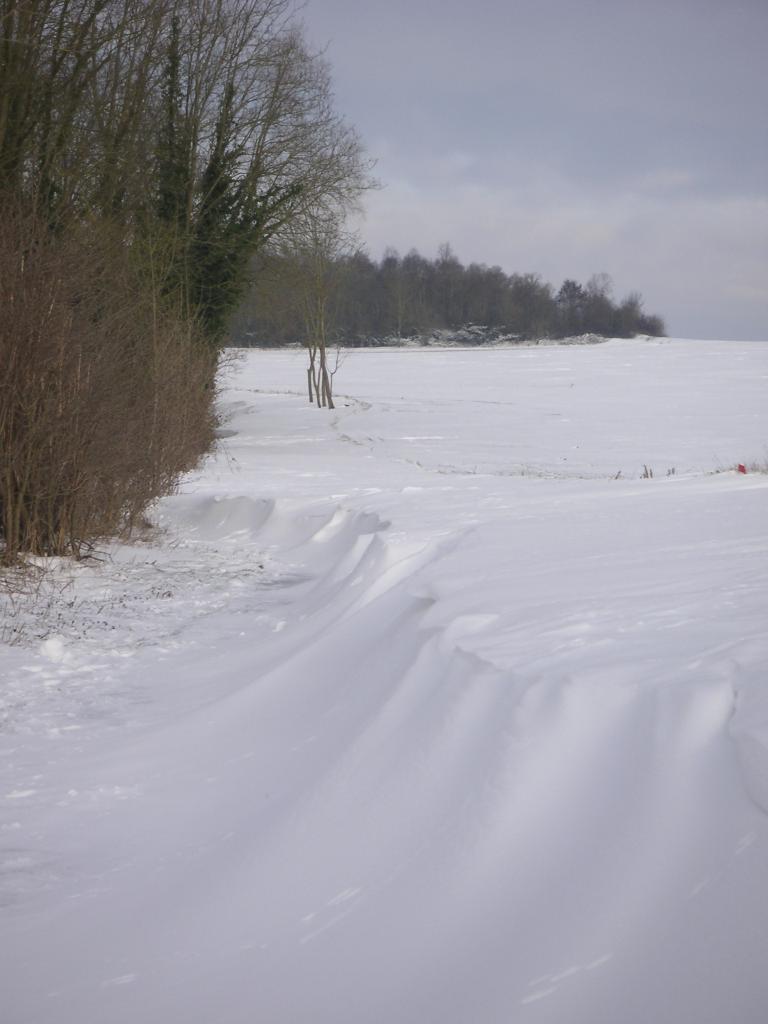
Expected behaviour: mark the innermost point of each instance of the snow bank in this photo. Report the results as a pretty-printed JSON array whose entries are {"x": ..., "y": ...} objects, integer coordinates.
[{"x": 414, "y": 711}]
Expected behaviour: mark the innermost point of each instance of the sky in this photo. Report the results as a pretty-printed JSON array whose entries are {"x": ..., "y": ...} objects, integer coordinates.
[{"x": 567, "y": 138}]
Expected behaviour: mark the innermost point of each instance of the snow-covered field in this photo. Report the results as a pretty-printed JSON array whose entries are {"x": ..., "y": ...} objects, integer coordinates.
[{"x": 436, "y": 709}]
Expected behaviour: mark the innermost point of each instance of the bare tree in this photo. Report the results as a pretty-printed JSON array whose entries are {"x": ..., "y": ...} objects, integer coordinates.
[
  {"x": 314, "y": 247},
  {"x": 210, "y": 122},
  {"x": 258, "y": 142},
  {"x": 148, "y": 148}
]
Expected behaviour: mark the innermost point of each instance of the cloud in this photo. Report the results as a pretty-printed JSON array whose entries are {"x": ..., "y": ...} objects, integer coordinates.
[
  {"x": 570, "y": 138},
  {"x": 701, "y": 262}
]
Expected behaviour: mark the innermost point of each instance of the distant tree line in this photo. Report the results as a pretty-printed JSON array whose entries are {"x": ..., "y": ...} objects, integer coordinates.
[
  {"x": 149, "y": 149},
  {"x": 399, "y": 297}
]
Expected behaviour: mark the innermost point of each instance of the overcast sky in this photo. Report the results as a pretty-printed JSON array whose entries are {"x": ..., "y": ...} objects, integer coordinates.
[{"x": 569, "y": 137}]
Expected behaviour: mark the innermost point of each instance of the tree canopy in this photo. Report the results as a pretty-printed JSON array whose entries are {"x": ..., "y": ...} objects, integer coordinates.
[{"x": 398, "y": 297}]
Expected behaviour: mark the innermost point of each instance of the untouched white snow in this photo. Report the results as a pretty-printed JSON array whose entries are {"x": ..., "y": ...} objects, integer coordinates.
[{"x": 412, "y": 712}]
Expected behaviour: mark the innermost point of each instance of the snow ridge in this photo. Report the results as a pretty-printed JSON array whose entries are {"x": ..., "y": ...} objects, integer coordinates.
[{"x": 413, "y": 747}]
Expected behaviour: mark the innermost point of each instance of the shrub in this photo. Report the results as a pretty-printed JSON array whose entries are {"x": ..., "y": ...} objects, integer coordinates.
[{"x": 105, "y": 394}]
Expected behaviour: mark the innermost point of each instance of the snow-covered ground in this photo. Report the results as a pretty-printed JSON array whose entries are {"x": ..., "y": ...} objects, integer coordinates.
[{"x": 436, "y": 709}]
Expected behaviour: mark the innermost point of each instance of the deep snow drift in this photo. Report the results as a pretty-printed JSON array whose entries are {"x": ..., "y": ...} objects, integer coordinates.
[{"x": 431, "y": 709}]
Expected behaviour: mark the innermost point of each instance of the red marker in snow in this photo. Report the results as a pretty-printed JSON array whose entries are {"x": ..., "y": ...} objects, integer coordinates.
[{"x": 741, "y": 468}]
